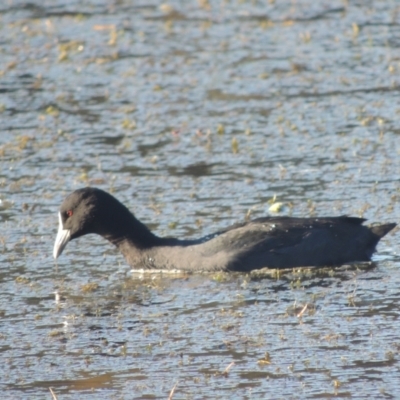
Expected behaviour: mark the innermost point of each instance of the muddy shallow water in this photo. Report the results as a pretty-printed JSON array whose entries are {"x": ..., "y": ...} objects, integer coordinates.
[{"x": 195, "y": 115}]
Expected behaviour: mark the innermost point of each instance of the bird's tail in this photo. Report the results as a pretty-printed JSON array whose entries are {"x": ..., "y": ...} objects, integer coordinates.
[{"x": 381, "y": 230}]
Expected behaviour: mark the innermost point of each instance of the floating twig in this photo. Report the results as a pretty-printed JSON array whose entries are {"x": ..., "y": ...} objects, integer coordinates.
[
  {"x": 171, "y": 393},
  {"x": 53, "y": 394}
]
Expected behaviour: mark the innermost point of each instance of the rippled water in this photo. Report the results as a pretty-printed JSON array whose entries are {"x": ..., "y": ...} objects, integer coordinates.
[{"x": 195, "y": 114}]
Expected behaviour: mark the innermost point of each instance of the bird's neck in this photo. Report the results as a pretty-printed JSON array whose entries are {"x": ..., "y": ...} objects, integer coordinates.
[
  {"x": 124, "y": 230},
  {"x": 137, "y": 243}
]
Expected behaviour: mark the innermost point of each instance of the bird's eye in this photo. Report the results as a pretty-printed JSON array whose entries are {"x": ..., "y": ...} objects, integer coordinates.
[{"x": 69, "y": 213}]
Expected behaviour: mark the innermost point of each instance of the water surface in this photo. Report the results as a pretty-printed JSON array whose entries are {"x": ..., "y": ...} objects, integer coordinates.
[{"x": 195, "y": 115}]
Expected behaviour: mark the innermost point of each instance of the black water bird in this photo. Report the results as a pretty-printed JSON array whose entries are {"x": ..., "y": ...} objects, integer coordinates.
[{"x": 272, "y": 242}]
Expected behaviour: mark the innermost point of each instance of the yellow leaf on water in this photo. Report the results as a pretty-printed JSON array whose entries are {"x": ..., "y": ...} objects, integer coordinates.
[
  {"x": 276, "y": 207},
  {"x": 235, "y": 146}
]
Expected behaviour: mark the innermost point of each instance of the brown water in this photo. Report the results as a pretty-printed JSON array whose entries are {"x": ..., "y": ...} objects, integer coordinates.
[{"x": 195, "y": 114}]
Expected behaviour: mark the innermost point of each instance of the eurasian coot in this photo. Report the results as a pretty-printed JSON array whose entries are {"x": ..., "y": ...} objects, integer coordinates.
[{"x": 273, "y": 242}]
